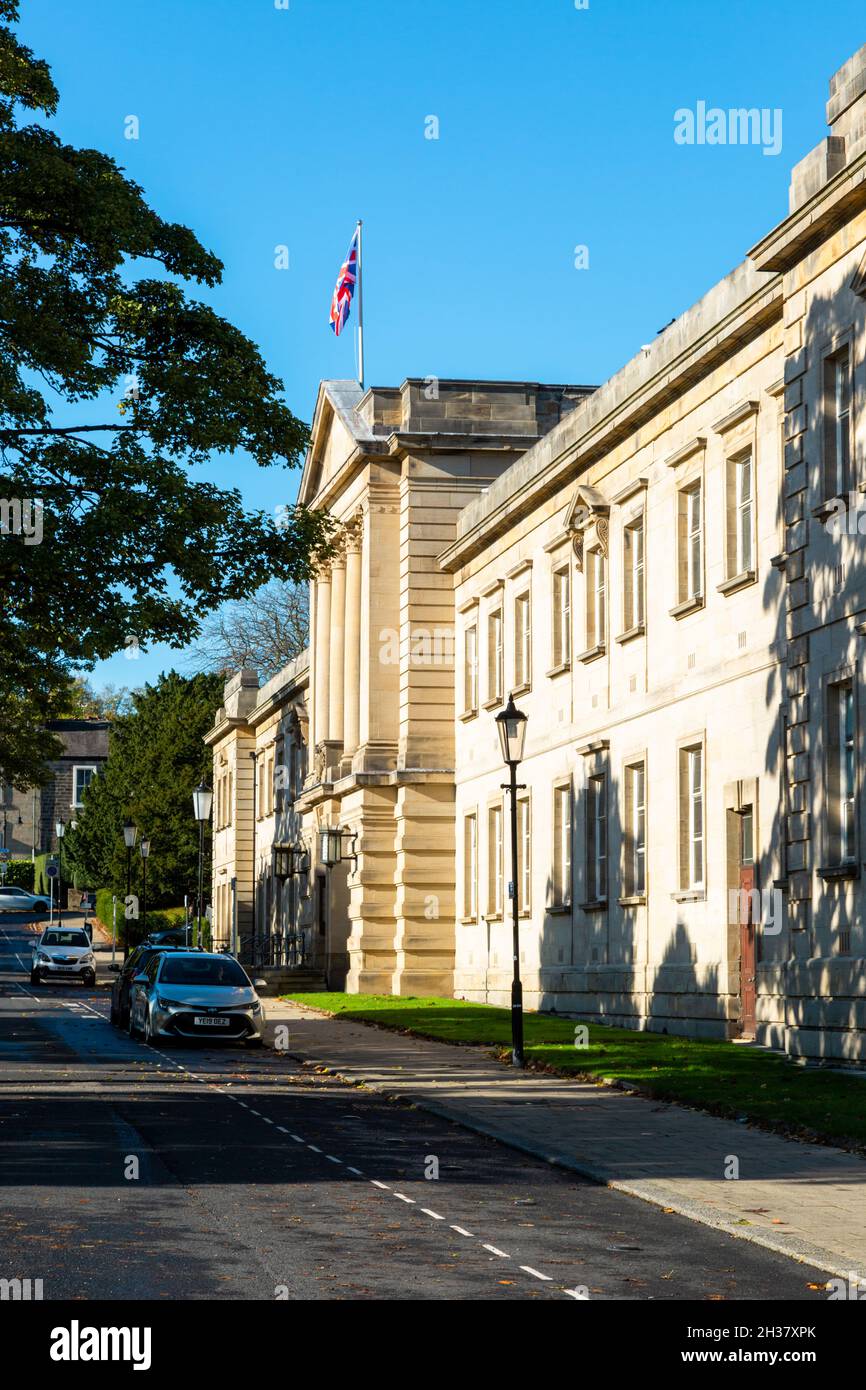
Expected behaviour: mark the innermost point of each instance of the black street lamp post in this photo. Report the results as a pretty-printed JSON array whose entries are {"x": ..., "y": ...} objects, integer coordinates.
[
  {"x": 145, "y": 852},
  {"x": 130, "y": 834},
  {"x": 511, "y": 723},
  {"x": 60, "y": 830},
  {"x": 202, "y": 799}
]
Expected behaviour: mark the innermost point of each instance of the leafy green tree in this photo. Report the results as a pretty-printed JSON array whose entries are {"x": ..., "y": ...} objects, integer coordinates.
[
  {"x": 114, "y": 386},
  {"x": 155, "y": 758}
]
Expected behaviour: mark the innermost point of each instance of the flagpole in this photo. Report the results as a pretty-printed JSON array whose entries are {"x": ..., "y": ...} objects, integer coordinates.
[{"x": 360, "y": 313}]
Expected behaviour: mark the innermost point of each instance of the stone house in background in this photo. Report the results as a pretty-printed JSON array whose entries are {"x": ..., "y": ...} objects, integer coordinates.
[
  {"x": 667, "y": 573},
  {"x": 28, "y": 818}
]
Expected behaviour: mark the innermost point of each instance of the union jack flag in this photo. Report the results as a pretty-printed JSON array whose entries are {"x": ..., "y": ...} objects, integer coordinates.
[{"x": 345, "y": 288}]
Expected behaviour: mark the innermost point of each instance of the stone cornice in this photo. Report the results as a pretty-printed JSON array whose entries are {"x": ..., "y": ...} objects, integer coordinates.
[
  {"x": 829, "y": 208},
  {"x": 608, "y": 417}
]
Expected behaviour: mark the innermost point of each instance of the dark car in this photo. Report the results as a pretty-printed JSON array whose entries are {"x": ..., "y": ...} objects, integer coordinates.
[
  {"x": 172, "y": 936},
  {"x": 137, "y": 961}
]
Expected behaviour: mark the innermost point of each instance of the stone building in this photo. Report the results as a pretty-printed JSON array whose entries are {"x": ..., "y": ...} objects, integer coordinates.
[
  {"x": 28, "y": 818},
  {"x": 667, "y": 574}
]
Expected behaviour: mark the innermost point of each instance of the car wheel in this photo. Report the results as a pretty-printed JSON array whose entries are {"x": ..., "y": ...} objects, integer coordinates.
[
  {"x": 254, "y": 1042},
  {"x": 34, "y": 977},
  {"x": 148, "y": 1029},
  {"x": 40, "y": 909},
  {"x": 131, "y": 1027},
  {"x": 112, "y": 1016},
  {"x": 90, "y": 978}
]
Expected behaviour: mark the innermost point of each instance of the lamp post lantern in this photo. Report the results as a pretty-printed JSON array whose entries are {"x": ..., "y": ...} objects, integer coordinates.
[
  {"x": 130, "y": 835},
  {"x": 144, "y": 847},
  {"x": 202, "y": 800},
  {"x": 511, "y": 723},
  {"x": 60, "y": 831}
]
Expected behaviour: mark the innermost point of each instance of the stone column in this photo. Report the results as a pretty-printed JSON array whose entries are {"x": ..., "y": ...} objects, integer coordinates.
[
  {"x": 311, "y": 709},
  {"x": 337, "y": 646},
  {"x": 321, "y": 695},
  {"x": 352, "y": 658}
]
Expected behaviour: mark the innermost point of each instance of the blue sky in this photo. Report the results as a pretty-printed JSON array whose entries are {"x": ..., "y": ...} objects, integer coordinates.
[{"x": 262, "y": 127}]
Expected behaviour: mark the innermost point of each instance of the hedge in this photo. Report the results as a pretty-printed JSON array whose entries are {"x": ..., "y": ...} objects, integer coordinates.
[
  {"x": 19, "y": 874},
  {"x": 162, "y": 920}
]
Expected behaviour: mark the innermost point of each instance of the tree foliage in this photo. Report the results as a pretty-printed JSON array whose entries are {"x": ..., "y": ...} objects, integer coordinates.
[
  {"x": 155, "y": 758},
  {"x": 114, "y": 387}
]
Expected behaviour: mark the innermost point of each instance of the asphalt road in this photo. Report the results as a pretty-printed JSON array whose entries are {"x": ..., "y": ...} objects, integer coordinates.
[{"x": 200, "y": 1172}]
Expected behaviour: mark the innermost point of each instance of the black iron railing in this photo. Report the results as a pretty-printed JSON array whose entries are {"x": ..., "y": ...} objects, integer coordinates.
[{"x": 288, "y": 952}]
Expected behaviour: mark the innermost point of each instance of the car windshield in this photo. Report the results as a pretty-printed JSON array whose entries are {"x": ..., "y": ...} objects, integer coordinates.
[
  {"x": 65, "y": 938},
  {"x": 202, "y": 970}
]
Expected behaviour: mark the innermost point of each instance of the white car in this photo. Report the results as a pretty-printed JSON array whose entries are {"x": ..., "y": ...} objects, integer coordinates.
[
  {"x": 63, "y": 953},
  {"x": 19, "y": 900}
]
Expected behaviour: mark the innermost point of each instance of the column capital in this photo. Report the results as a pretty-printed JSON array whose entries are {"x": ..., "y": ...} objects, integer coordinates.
[{"x": 353, "y": 532}]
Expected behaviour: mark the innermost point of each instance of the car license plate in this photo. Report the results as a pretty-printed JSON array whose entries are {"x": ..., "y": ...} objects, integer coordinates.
[{"x": 202, "y": 1022}]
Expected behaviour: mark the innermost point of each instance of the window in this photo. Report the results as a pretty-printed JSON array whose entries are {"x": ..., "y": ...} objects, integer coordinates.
[
  {"x": 635, "y": 830},
  {"x": 495, "y": 673},
  {"x": 633, "y": 577},
  {"x": 690, "y": 544},
  {"x": 562, "y": 802},
  {"x": 837, "y": 424},
  {"x": 522, "y": 642},
  {"x": 81, "y": 778},
  {"x": 524, "y": 856},
  {"x": 595, "y": 599},
  {"x": 260, "y": 767},
  {"x": 561, "y": 617},
  {"x": 270, "y": 783},
  {"x": 470, "y": 867},
  {"x": 842, "y": 773},
  {"x": 494, "y": 861},
  {"x": 470, "y": 670},
  {"x": 596, "y": 838},
  {"x": 692, "y": 819},
  {"x": 740, "y": 515}
]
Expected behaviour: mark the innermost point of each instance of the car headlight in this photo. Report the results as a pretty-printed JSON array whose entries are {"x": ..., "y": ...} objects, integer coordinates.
[
  {"x": 44, "y": 957},
  {"x": 87, "y": 959},
  {"x": 166, "y": 1003}
]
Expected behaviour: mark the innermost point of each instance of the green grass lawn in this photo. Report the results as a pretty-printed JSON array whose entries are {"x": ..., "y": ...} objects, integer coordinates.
[{"x": 716, "y": 1076}]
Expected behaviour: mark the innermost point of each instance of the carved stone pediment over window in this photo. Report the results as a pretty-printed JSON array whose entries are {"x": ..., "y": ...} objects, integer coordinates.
[
  {"x": 587, "y": 520},
  {"x": 858, "y": 284}
]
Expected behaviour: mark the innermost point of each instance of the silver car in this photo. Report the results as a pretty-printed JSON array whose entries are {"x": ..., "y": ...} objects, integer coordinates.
[
  {"x": 63, "y": 953},
  {"x": 21, "y": 900},
  {"x": 196, "y": 994}
]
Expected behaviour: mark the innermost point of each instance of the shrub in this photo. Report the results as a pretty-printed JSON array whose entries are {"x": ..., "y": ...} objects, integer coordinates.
[{"x": 20, "y": 874}]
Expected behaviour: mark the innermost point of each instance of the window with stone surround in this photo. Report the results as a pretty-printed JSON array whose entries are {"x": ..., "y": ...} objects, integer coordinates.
[
  {"x": 690, "y": 543},
  {"x": 561, "y": 617},
  {"x": 596, "y": 598},
  {"x": 495, "y": 662},
  {"x": 522, "y": 641},
  {"x": 635, "y": 829},
  {"x": 596, "y": 838},
  {"x": 470, "y": 867},
  {"x": 691, "y": 818},
  {"x": 523, "y": 884},
  {"x": 470, "y": 669},
  {"x": 837, "y": 423},
  {"x": 841, "y": 775},
  {"x": 633, "y": 574},
  {"x": 740, "y": 515},
  {"x": 495, "y": 862},
  {"x": 562, "y": 830},
  {"x": 82, "y": 776}
]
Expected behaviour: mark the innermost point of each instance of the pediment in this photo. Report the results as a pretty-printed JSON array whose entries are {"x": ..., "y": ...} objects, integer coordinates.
[{"x": 587, "y": 505}]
